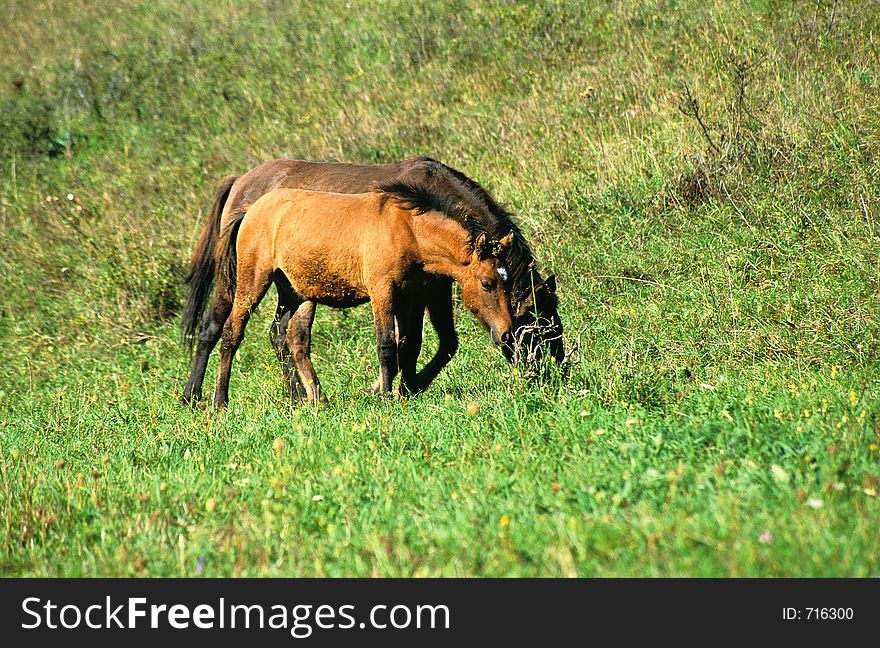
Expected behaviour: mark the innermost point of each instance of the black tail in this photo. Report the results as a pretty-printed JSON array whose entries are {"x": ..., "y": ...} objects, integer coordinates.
[
  {"x": 203, "y": 266},
  {"x": 227, "y": 256}
]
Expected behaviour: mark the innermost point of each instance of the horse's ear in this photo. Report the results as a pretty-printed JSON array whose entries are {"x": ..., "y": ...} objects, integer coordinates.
[
  {"x": 479, "y": 248},
  {"x": 525, "y": 304}
]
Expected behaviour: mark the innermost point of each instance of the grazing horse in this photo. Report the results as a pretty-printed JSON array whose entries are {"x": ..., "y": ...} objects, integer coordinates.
[
  {"x": 343, "y": 250},
  {"x": 537, "y": 326}
]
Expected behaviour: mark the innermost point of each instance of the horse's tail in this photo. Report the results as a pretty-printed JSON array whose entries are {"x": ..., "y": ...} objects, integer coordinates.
[
  {"x": 227, "y": 256},
  {"x": 202, "y": 266}
]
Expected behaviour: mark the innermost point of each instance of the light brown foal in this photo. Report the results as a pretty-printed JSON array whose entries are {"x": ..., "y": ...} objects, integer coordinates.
[{"x": 342, "y": 250}]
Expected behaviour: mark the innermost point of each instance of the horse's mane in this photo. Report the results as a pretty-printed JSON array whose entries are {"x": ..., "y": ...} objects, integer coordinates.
[
  {"x": 428, "y": 185},
  {"x": 418, "y": 196}
]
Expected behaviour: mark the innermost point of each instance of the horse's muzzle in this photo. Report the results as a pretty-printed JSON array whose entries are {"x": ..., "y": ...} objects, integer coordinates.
[{"x": 504, "y": 339}]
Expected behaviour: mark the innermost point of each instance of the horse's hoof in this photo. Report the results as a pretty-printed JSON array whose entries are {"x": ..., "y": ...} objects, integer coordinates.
[
  {"x": 405, "y": 390},
  {"x": 298, "y": 397},
  {"x": 319, "y": 402},
  {"x": 297, "y": 400},
  {"x": 191, "y": 400},
  {"x": 413, "y": 389}
]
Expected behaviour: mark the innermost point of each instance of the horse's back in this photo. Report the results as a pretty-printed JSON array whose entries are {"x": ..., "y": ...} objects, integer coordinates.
[
  {"x": 332, "y": 248},
  {"x": 297, "y": 215},
  {"x": 337, "y": 177},
  {"x": 335, "y": 221},
  {"x": 306, "y": 174}
]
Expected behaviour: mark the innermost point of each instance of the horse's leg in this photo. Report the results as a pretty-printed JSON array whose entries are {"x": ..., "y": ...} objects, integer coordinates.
[
  {"x": 410, "y": 319},
  {"x": 299, "y": 339},
  {"x": 386, "y": 340},
  {"x": 249, "y": 292},
  {"x": 212, "y": 327},
  {"x": 438, "y": 300},
  {"x": 278, "y": 337}
]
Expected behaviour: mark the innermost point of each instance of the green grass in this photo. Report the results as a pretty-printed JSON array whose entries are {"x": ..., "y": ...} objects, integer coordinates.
[{"x": 720, "y": 292}]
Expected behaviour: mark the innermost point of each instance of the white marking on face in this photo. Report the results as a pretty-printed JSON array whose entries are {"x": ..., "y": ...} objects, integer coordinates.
[{"x": 502, "y": 272}]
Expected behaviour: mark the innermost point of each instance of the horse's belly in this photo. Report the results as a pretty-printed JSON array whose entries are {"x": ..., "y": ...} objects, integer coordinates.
[
  {"x": 318, "y": 281},
  {"x": 338, "y": 294},
  {"x": 342, "y": 302}
]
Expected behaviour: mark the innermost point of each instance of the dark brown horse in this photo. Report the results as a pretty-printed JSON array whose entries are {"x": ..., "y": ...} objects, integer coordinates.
[
  {"x": 537, "y": 326},
  {"x": 342, "y": 250}
]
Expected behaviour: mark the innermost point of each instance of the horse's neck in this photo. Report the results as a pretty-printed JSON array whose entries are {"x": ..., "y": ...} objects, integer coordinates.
[{"x": 442, "y": 244}]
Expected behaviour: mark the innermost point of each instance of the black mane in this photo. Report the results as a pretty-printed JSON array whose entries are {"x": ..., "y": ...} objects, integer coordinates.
[
  {"x": 428, "y": 185},
  {"x": 412, "y": 194}
]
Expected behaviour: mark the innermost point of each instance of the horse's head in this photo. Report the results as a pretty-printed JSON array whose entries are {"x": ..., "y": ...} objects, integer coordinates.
[
  {"x": 484, "y": 292},
  {"x": 537, "y": 327}
]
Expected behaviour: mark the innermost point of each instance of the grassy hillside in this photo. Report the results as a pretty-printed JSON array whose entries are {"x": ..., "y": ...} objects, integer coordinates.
[{"x": 702, "y": 175}]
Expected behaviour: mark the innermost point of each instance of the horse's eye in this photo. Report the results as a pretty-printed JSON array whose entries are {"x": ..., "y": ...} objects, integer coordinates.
[{"x": 488, "y": 286}]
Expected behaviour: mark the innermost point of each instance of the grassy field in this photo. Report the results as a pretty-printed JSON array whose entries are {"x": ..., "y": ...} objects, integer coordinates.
[{"x": 702, "y": 175}]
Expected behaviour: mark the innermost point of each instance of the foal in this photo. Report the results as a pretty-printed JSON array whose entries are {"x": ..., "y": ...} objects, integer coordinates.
[{"x": 342, "y": 250}]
